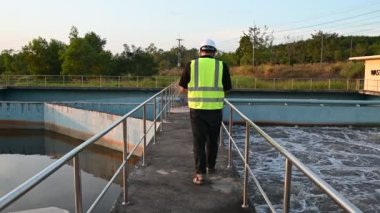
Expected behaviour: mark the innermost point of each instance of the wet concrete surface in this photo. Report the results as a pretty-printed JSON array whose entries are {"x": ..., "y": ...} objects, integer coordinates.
[{"x": 165, "y": 184}]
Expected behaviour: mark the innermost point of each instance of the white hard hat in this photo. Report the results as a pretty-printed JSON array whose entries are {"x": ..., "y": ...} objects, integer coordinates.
[{"x": 208, "y": 45}]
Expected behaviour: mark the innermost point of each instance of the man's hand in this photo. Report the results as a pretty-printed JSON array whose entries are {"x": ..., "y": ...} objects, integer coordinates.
[{"x": 182, "y": 90}]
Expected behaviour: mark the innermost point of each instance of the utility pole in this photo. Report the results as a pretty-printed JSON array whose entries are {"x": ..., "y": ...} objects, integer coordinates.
[
  {"x": 321, "y": 48},
  {"x": 288, "y": 47},
  {"x": 351, "y": 48},
  {"x": 253, "y": 47},
  {"x": 179, "y": 51}
]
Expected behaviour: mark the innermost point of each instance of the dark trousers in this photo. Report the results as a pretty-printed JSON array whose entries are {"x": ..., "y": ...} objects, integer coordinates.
[{"x": 206, "y": 129}]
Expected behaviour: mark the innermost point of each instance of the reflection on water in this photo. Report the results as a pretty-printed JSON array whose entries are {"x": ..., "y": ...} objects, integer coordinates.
[
  {"x": 346, "y": 158},
  {"x": 23, "y": 153}
]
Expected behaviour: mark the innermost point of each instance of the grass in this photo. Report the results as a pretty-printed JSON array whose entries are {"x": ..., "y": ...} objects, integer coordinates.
[
  {"x": 240, "y": 82},
  {"x": 325, "y": 70}
]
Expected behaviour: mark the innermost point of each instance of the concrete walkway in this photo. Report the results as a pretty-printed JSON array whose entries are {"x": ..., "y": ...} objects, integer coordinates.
[{"x": 165, "y": 185}]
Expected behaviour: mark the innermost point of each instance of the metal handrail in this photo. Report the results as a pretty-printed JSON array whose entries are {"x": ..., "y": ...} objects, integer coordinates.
[
  {"x": 290, "y": 160},
  {"x": 166, "y": 99},
  {"x": 84, "y": 80},
  {"x": 305, "y": 101}
]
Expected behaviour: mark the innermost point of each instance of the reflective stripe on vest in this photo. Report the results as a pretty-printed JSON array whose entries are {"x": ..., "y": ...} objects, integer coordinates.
[{"x": 205, "y": 89}]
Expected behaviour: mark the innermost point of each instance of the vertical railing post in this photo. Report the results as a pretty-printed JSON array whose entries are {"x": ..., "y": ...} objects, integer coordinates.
[
  {"x": 156, "y": 82},
  {"x": 170, "y": 97},
  {"x": 165, "y": 104},
  {"x": 77, "y": 185},
  {"x": 125, "y": 169},
  {"x": 329, "y": 83},
  {"x": 161, "y": 111},
  {"x": 167, "y": 101},
  {"x": 357, "y": 84},
  {"x": 221, "y": 138},
  {"x": 311, "y": 83},
  {"x": 287, "y": 183},
  {"x": 292, "y": 83},
  {"x": 246, "y": 165},
  {"x": 230, "y": 139},
  {"x": 81, "y": 80},
  {"x": 255, "y": 83},
  {"x": 155, "y": 119},
  {"x": 118, "y": 81},
  {"x": 144, "y": 131},
  {"x": 173, "y": 95}
]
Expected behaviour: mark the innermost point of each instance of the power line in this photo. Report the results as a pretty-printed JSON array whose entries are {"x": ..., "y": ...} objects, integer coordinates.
[
  {"x": 337, "y": 28},
  {"x": 329, "y": 22},
  {"x": 351, "y": 9}
]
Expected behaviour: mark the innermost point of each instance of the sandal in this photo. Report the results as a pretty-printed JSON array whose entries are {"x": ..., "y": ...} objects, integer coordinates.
[{"x": 198, "y": 179}]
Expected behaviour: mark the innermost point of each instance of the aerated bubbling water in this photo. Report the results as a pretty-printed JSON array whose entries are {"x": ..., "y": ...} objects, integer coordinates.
[{"x": 346, "y": 158}]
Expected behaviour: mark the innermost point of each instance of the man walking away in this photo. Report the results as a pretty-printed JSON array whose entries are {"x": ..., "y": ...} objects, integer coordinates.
[{"x": 205, "y": 80}]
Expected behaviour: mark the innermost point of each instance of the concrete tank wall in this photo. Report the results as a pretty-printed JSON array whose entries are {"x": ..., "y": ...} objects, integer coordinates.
[
  {"x": 307, "y": 113},
  {"x": 111, "y": 108},
  {"x": 21, "y": 115},
  {"x": 77, "y": 123},
  {"x": 83, "y": 124},
  {"x": 95, "y": 95}
]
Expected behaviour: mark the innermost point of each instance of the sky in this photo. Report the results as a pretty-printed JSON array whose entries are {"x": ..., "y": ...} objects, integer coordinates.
[{"x": 141, "y": 22}]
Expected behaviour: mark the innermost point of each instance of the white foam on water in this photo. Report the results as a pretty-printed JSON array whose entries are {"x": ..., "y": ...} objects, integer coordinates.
[{"x": 346, "y": 158}]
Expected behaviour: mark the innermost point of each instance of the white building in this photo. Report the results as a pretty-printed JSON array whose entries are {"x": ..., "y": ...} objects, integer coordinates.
[{"x": 372, "y": 73}]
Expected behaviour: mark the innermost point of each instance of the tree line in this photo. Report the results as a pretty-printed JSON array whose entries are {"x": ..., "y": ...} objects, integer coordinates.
[
  {"x": 256, "y": 47},
  {"x": 86, "y": 55}
]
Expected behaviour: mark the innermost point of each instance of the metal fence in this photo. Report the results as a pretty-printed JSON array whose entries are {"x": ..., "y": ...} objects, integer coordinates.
[
  {"x": 372, "y": 85},
  {"x": 161, "y": 101},
  {"x": 298, "y": 83},
  {"x": 290, "y": 160},
  {"x": 238, "y": 82},
  {"x": 86, "y": 81}
]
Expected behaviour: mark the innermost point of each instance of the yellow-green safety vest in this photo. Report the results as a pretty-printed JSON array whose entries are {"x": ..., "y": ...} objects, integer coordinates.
[{"x": 205, "y": 89}]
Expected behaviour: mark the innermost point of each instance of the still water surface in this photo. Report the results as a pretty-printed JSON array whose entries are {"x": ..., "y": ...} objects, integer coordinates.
[
  {"x": 23, "y": 153},
  {"x": 346, "y": 158}
]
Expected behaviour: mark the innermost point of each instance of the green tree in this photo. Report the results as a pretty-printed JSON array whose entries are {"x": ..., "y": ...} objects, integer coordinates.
[
  {"x": 244, "y": 51},
  {"x": 229, "y": 58},
  {"x": 19, "y": 64},
  {"x": 6, "y": 60},
  {"x": 86, "y": 56},
  {"x": 43, "y": 57},
  {"x": 136, "y": 61}
]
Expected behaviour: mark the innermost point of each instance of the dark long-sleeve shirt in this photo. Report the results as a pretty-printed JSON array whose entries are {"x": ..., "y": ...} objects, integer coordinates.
[{"x": 226, "y": 78}]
